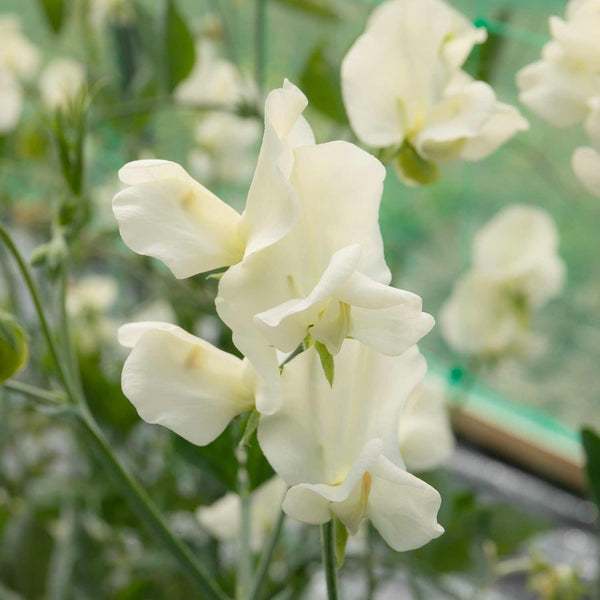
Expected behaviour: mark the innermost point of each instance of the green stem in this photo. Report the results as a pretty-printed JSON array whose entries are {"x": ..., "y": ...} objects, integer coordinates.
[
  {"x": 369, "y": 564},
  {"x": 131, "y": 489},
  {"x": 54, "y": 399},
  {"x": 260, "y": 44},
  {"x": 329, "y": 561},
  {"x": 25, "y": 272},
  {"x": 266, "y": 558},
  {"x": 145, "y": 508},
  {"x": 244, "y": 573}
]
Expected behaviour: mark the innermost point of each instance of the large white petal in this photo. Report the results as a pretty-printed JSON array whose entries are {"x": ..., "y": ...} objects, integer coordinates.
[
  {"x": 402, "y": 508},
  {"x": 586, "y": 164},
  {"x": 164, "y": 213},
  {"x": 182, "y": 382},
  {"x": 319, "y": 431},
  {"x": 271, "y": 208}
]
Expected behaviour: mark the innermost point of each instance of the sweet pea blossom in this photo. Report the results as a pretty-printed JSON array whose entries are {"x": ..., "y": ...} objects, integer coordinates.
[
  {"x": 18, "y": 55},
  {"x": 337, "y": 446},
  {"x": 60, "y": 82},
  {"x": 405, "y": 92},
  {"x": 306, "y": 255},
  {"x": 559, "y": 86},
  {"x": 586, "y": 160},
  {"x": 182, "y": 382},
  {"x": 515, "y": 269},
  {"x": 11, "y": 102},
  {"x": 222, "y": 518}
]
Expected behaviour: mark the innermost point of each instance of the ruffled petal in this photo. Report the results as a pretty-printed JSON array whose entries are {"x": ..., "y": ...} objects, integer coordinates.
[
  {"x": 586, "y": 164},
  {"x": 164, "y": 213},
  {"x": 182, "y": 382}
]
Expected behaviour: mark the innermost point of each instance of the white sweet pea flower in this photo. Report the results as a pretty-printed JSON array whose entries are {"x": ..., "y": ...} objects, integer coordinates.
[
  {"x": 559, "y": 86},
  {"x": 586, "y": 160},
  {"x": 516, "y": 269},
  {"x": 182, "y": 382},
  {"x": 518, "y": 250},
  {"x": 338, "y": 446},
  {"x": 222, "y": 518},
  {"x": 61, "y": 81},
  {"x": 306, "y": 254},
  {"x": 403, "y": 89},
  {"x": 18, "y": 55},
  {"x": 213, "y": 79},
  {"x": 425, "y": 433},
  {"x": 11, "y": 102}
]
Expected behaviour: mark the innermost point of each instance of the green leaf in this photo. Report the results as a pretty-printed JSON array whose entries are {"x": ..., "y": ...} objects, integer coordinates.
[
  {"x": 413, "y": 169},
  {"x": 14, "y": 350},
  {"x": 55, "y": 13},
  {"x": 340, "y": 538},
  {"x": 180, "y": 53},
  {"x": 326, "y": 361},
  {"x": 591, "y": 446},
  {"x": 316, "y": 8},
  {"x": 320, "y": 81}
]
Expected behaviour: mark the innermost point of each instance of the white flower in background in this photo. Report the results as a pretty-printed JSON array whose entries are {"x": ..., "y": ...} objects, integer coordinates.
[
  {"x": 586, "y": 160},
  {"x": 337, "y": 446},
  {"x": 88, "y": 301},
  {"x": 222, "y": 518},
  {"x": 404, "y": 90},
  {"x": 425, "y": 433},
  {"x": 515, "y": 269},
  {"x": 18, "y": 55},
  {"x": 518, "y": 250},
  {"x": 307, "y": 252},
  {"x": 61, "y": 81},
  {"x": 223, "y": 144},
  {"x": 11, "y": 102},
  {"x": 182, "y": 382},
  {"x": 213, "y": 80}
]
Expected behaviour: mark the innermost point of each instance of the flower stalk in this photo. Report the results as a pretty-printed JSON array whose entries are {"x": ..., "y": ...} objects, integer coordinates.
[{"x": 329, "y": 561}]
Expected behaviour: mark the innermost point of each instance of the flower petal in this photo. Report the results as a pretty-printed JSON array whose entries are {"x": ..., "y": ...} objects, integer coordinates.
[
  {"x": 586, "y": 164},
  {"x": 164, "y": 213},
  {"x": 182, "y": 382},
  {"x": 271, "y": 209},
  {"x": 402, "y": 508}
]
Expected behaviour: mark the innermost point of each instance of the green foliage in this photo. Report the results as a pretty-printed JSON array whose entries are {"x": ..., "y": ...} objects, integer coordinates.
[
  {"x": 54, "y": 10},
  {"x": 413, "y": 168},
  {"x": 179, "y": 49},
  {"x": 320, "y": 81},
  {"x": 591, "y": 446}
]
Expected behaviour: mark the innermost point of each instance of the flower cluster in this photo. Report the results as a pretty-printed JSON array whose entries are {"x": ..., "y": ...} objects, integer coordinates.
[
  {"x": 405, "y": 91},
  {"x": 564, "y": 86},
  {"x": 515, "y": 269},
  {"x": 305, "y": 271}
]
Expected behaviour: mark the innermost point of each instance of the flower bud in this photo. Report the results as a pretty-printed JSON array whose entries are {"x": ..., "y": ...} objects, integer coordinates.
[{"x": 14, "y": 350}]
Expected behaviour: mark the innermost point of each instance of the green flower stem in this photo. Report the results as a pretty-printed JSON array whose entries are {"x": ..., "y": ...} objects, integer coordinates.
[
  {"x": 130, "y": 488},
  {"x": 46, "y": 397},
  {"x": 260, "y": 44},
  {"x": 146, "y": 509},
  {"x": 266, "y": 558},
  {"x": 329, "y": 561},
  {"x": 244, "y": 573},
  {"x": 26, "y": 273}
]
